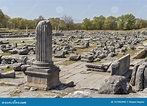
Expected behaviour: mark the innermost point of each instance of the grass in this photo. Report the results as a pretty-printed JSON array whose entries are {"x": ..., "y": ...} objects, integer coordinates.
[
  {"x": 131, "y": 52},
  {"x": 143, "y": 29},
  {"x": 19, "y": 73},
  {"x": 67, "y": 62},
  {"x": 80, "y": 51},
  {"x": 119, "y": 56},
  {"x": 7, "y": 69},
  {"x": 20, "y": 41},
  {"x": 16, "y": 30},
  {"x": 3, "y": 84},
  {"x": 145, "y": 41},
  {"x": 55, "y": 60},
  {"x": 68, "y": 55},
  {"x": 29, "y": 41},
  {"x": 97, "y": 62},
  {"x": 6, "y": 54}
]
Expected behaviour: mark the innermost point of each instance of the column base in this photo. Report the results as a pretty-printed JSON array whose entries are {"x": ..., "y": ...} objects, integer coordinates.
[{"x": 43, "y": 78}]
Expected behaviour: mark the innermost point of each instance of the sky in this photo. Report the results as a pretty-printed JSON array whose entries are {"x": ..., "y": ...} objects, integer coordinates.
[{"x": 77, "y": 9}]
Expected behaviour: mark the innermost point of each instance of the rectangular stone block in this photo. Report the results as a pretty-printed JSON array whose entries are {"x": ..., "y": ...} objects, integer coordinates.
[
  {"x": 122, "y": 67},
  {"x": 43, "y": 78},
  {"x": 10, "y": 74},
  {"x": 124, "y": 64}
]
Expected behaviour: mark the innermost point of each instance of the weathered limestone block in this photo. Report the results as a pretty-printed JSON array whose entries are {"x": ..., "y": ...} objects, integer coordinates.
[
  {"x": 115, "y": 68},
  {"x": 14, "y": 51},
  {"x": 6, "y": 59},
  {"x": 10, "y": 74},
  {"x": 24, "y": 68},
  {"x": 17, "y": 66},
  {"x": 98, "y": 68},
  {"x": 60, "y": 54},
  {"x": 87, "y": 58},
  {"x": 75, "y": 57},
  {"x": 140, "y": 54},
  {"x": 23, "y": 52},
  {"x": 121, "y": 66},
  {"x": 139, "y": 78},
  {"x": 133, "y": 77},
  {"x": 114, "y": 85}
]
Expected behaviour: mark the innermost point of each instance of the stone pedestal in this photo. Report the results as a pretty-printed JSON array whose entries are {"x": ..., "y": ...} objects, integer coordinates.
[{"x": 43, "y": 77}]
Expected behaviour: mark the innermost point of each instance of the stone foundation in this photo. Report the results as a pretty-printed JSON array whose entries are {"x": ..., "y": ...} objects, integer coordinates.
[{"x": 44, "y": 78}]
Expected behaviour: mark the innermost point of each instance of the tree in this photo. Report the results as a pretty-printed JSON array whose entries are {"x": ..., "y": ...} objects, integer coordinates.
[
  {"x": 57, "y": 23},
  {"x": 68, "y": 21},
  {"x": 129, "y": 21},
  {"x": 126, "y": 21},
  {"x": 110, "y": 23},
  {"x": 87, "y": 24},
  {"x": 5, "y": 21},
  {"x": 40, "y": 18},
  {"x": 1, "y": 17},
  {"x": 140, "y": 23},
  {"x": 62, "y": 25},
  {"x": 98, "y": 22},
  {"x": 77, "y": 26},
  {"x": 123, "y": 22},
  {"x": 120, "y": 22},
  {"x": 32, "y": 24}
]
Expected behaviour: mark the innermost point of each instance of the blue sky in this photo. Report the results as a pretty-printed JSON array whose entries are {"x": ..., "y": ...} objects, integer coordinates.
[{"x": 77, "y": 9}]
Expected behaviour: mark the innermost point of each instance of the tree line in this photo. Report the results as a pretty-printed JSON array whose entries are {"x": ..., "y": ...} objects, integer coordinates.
[{"x": 123, "y": 22}]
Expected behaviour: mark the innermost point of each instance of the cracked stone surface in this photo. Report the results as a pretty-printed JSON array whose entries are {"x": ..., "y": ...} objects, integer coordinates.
[{"x": 75, "y": 72}]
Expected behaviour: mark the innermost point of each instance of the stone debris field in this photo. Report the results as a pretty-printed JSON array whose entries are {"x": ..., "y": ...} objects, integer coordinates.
[{"x": 71, "y": 64}]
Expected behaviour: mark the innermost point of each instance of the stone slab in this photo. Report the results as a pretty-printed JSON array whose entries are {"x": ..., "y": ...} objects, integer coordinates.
[{"x": 121, "y": 67}]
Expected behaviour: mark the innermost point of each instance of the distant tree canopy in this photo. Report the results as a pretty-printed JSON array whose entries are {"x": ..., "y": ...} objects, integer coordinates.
[
  {"x": 110, "y": 23},
  {"x": 123, "y": 22}
]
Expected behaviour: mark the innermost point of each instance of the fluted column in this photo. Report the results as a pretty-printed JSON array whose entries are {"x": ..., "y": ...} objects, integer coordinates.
[{"x": 44, "y": 42}]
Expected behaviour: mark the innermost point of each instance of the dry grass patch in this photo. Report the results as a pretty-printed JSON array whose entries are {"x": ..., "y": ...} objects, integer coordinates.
[
  {"x": 6, "y": 54},
  {"x": 7, "y": 69},
  {"x": 66, "y": 62},
  {"x": 80, "y": 51}
]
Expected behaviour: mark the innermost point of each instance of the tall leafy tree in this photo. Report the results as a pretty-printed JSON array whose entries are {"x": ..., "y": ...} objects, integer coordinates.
[
  {"x": 126, "y": 21},
  {"x": 1, "y": 17},
  {"x": 110, "y": 23},
  {"x": 120, "y": 22},
  {"x": 87, "y": 24},
  {"x": 98, "y": 22},
  {"x": 5, "y": 21},
  {"x": 129, "y": 21}
]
